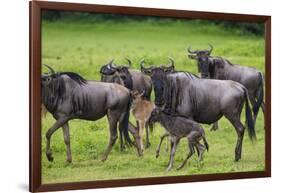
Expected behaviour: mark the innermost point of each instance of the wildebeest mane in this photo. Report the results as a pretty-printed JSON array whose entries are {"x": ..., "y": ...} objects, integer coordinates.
[
  {"x": 174, "y": 92},
  {"x": 74, "y": 76}
]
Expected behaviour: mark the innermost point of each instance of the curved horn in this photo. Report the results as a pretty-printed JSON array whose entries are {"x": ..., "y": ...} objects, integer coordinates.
[
  {"x": 50, "y": 68},
  {"x": 144, "y": 68},
  {"x": 141, "y": 64},
  {"x": 211, "y": 48},
  {"x": 172, "y": 62},
  {"x": 111, "y": 65},
  {"x": 129, "y": 61},
  {"x": 190, "y": 51}
]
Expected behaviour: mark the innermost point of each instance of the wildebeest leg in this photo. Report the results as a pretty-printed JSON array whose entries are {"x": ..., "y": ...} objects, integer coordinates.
[
  {"x": 66, "y": 136},
  {"x": 263, "y": 110},
  {"x": 147, "y": 145},
  {"x": 239, "y": 127},
  {"x": 174, "y": 143},
  {"x": 191, "y": 152},
  {"x": 135, "y": 132},
  {"x": 122, "y": 145},
  {"x": 112, "y": 119},
  {"x": 200, "y": 148},
  {"x": 59, "y": 123},
  {"x": 215, "y": 126},
  {"x": 141, "y": 130},
  {"x": 167, "y": 144},
  {"x": 159, "y": 145}
]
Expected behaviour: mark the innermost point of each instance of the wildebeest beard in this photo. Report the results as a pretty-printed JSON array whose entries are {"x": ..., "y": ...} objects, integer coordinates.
[{"x": 164, "y": 91}]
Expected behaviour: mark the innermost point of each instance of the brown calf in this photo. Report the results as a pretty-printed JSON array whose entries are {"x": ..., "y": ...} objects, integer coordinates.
[{"x": 141, "y": 110}]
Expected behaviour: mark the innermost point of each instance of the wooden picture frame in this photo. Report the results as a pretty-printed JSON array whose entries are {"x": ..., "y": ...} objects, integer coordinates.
[{"x": 36, "y": 8}]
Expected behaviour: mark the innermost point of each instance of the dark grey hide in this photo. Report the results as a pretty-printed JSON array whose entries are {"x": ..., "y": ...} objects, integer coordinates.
[
  {"x": 68, "y": 96},
  {"x": 222, "y": 69},
  {"x": 202, "y": 100},
  {"x": 178, "y": 127},
  {"x": 131, "y": 79}
]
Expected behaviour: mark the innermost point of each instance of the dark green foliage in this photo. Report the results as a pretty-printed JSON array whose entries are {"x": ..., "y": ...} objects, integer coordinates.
[{"x": 236, "y": 27}]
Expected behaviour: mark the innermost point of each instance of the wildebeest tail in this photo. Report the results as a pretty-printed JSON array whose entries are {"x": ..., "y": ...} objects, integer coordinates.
[
  {"x": 249, "y": 116},
  {"x": 260, "y": 97},
  {"x": 125, "y": 125}
]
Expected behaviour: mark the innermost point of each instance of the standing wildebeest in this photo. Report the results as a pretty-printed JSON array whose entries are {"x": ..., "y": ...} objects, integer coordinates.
[
  {"x": 68, "y": 96},
  {"x": 131, "y": 79},
  {"x": 222, "y": 69},
  {"x": 202, "y": 100},
  {"x": 134, "y": 80},
  {"x": 178, "y": 127},
  {"x": 141, "y": 110}
]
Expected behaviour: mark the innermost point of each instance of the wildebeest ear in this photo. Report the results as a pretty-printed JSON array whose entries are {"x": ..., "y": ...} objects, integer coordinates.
[{"x": 193, "y": 57}]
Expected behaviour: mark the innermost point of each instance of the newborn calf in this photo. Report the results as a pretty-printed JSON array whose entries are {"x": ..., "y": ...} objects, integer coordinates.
[{"x": 178, "y": 127}]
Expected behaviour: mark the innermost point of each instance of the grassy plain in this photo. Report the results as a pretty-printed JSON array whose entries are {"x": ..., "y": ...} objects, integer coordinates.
[{"x": 83, "y": 47}]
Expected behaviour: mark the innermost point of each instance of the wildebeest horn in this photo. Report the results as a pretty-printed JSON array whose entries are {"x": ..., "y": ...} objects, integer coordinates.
[
  {"x": 111, "y": 65},
  {"x": 143, "y": 68},
  {"x": 50, "y": 68},
  {"x": 141, "y": 64},
  {"x": 211, "y": 48},
  {"x": 190, "y": 51},
  {"x": 172, "y": 62},
  {"x": 129, "y": 61}
]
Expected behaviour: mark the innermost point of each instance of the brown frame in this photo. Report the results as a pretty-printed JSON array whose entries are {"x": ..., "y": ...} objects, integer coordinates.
[{"x": 36, "y": 7}]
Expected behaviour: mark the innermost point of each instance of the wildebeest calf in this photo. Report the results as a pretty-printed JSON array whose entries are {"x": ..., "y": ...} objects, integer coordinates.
[
  {"x": 178, "y": 127},
  {"x": 141, "y": 110}
]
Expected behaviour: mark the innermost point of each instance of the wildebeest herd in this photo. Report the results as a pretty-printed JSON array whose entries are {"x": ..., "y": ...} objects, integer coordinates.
[{"x": 182, "y": 102}]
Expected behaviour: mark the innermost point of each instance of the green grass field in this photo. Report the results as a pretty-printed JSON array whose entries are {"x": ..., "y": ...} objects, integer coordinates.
[{"x": 83, "y": 47}]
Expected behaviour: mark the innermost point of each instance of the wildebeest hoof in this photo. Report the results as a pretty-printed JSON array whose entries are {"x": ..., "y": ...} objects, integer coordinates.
[
  {"x": 122, "y": 149},
  {"x": 69, "y": 160},
  {"x": 168, "y": 169},
  {"x": 157, "y": 154},
  {"x": 104, "y": 158},
  {"x": 214, "y": 128},
  {"x": 147, "y": 145},
  {"x": 50, "y": 158},
  {"x": 237, "y": 159},
  {"x": 180, "y": 167},
  {"x": 140, "y": 153}
]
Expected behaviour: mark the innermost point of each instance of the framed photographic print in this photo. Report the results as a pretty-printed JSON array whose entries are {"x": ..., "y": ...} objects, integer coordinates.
[{"x": 124, "y": 96}]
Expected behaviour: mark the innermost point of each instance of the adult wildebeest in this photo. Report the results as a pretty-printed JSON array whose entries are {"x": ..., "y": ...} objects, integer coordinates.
[
  {"x": 134, "y": 80},
  {"x": 68, "y": 96},
  {"x": 131, "y": 79},
  {"x": 222, "y": 69},
  {"x": 178, "y": 127},
  {"x": 202, "y": 100}
]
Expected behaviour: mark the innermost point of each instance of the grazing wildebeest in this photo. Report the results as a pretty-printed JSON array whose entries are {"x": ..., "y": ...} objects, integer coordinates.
[
  {"x": 202, "y": 100},
  {"x": 141, "y": 110},
  {"x": 222, "y": 69},
  {"x": 178, "y": 127},
  {"x": 68, "y": 96},
  {"x": 130, "y": 78}
]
